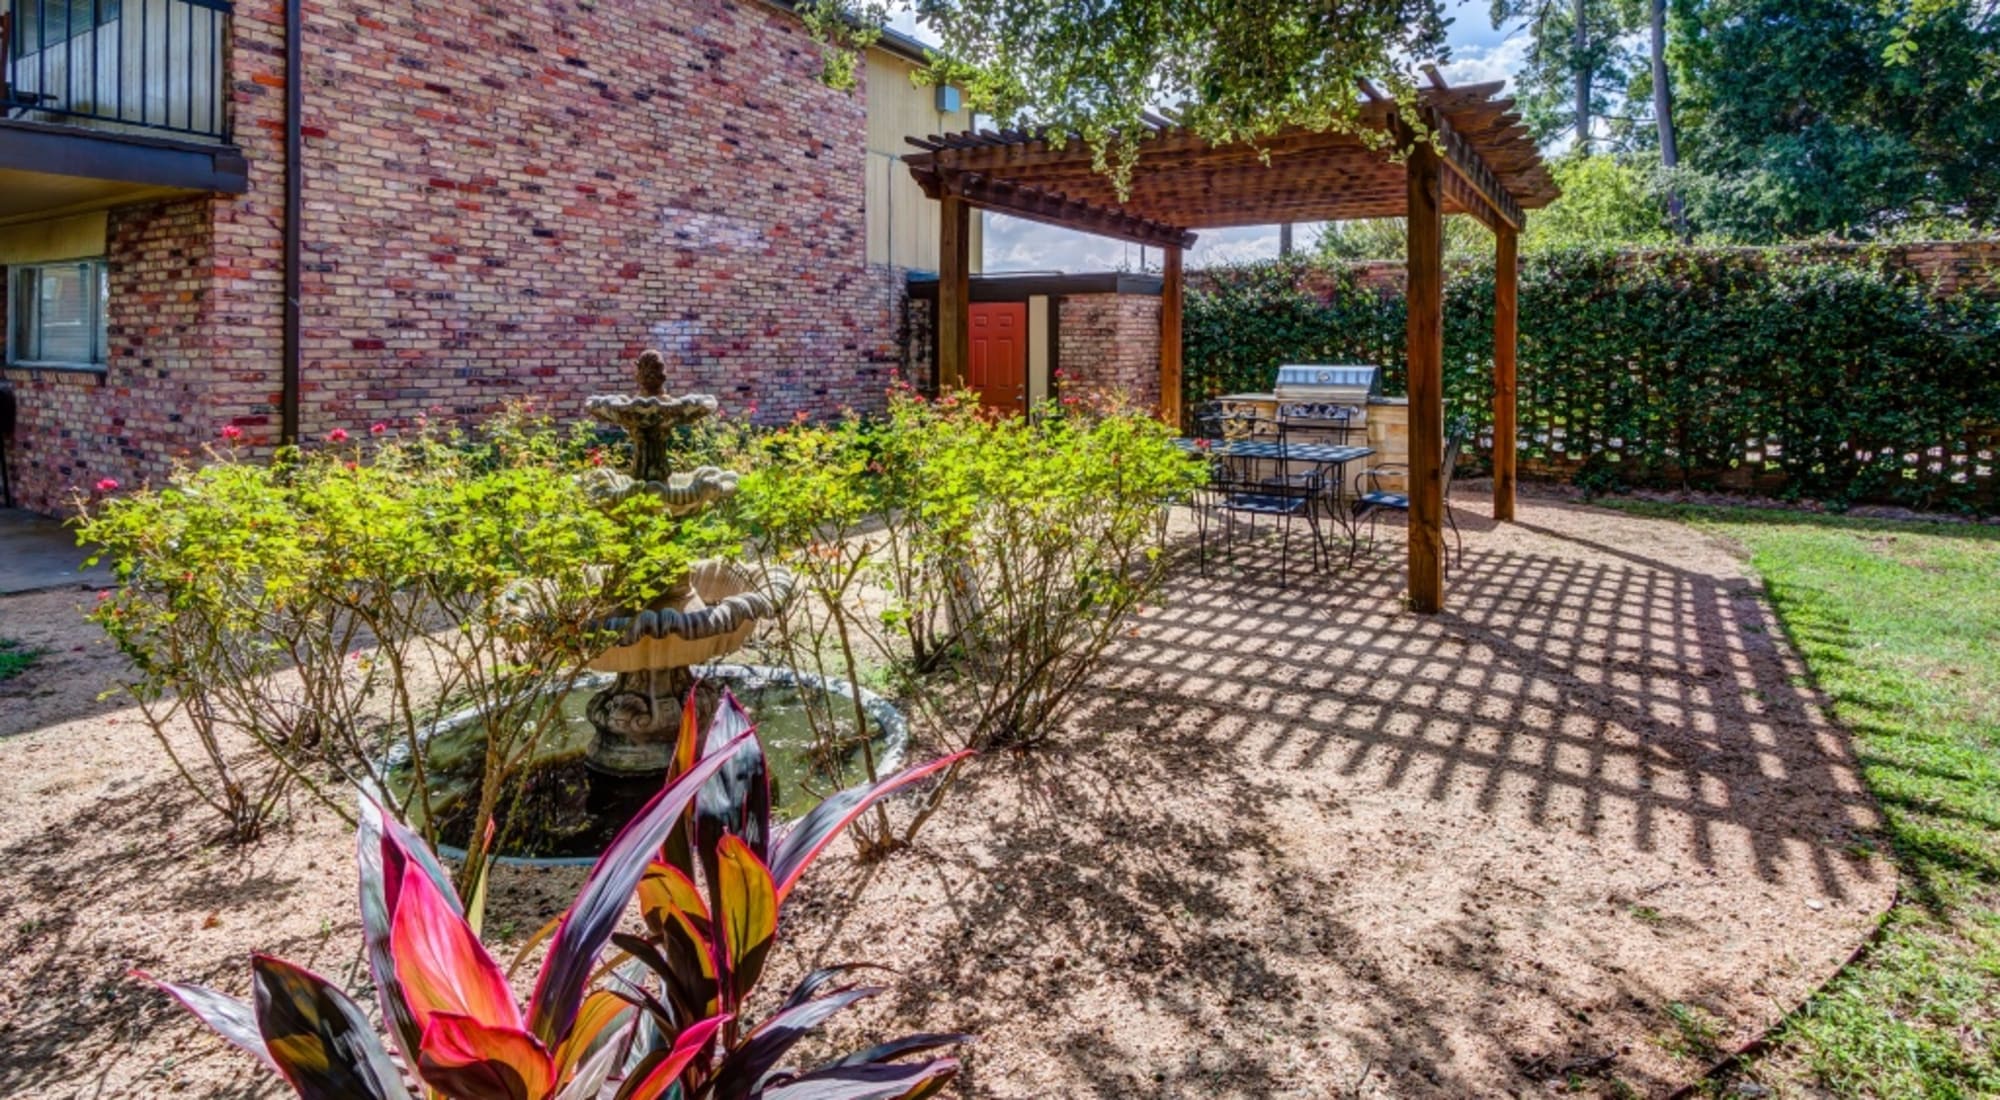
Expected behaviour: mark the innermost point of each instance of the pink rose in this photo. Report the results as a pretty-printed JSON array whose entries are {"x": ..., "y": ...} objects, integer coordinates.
[
  {"x": 338, "y": 435},
  {"x": 231, "y": 432},
  {"x": 377, "y": 428},
  {"x": 108, "y": 485}
]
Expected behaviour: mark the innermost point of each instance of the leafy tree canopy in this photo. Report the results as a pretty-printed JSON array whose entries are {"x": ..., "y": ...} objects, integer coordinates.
[
  {"x": 1558, "y": 57},
  {"x": 1606, "y": 200},
  {"x": 1389, "y": 239},
  {"x": 1809, "y": 117},
  {"x": 1234, "y": 71}
]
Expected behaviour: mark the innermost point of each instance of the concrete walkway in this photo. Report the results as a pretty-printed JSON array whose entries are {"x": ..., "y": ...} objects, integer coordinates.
[{"x": 37, "y": 552}]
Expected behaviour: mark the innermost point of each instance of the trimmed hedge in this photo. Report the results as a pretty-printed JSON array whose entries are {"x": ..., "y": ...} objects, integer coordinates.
[{"x": 1844, "y": 381}]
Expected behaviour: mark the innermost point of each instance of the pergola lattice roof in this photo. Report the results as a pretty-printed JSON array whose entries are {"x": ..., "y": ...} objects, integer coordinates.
[{"x": 1182, "y": 182}]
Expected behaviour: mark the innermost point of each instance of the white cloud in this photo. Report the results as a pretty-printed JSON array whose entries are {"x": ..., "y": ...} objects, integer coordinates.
[
  {"x": 1477, "y": 64},
  {"x": 1016, "y": 245}
]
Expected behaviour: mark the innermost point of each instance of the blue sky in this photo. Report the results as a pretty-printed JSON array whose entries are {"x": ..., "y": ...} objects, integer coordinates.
[{"x": 1478, "y": 53}]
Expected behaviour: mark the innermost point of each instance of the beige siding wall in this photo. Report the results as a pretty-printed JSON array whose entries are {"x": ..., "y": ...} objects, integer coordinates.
[
  {"x": 78, "y": 237},
  {"x": 902, "y": 222}
]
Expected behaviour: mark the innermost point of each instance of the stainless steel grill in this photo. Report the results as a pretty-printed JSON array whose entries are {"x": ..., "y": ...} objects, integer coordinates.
[{"x": 1327, "y": 391}]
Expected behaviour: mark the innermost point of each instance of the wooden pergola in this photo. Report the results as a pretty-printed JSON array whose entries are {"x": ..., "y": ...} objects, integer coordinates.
[{"x": 1479, "y": 161}]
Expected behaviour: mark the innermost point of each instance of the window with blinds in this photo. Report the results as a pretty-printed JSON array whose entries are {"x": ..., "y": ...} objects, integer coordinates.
[{"x": 55, "y": 313}]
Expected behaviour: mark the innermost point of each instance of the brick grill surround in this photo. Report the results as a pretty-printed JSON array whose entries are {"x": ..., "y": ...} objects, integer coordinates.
[{"x": 501, "y": 202}]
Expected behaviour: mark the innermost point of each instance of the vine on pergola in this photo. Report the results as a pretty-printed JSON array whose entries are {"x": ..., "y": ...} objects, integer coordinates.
[{"x": 1233, "y": 70}]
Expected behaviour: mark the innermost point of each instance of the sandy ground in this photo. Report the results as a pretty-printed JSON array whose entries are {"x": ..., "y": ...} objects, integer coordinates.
[{"x": 1296, "y": 843}]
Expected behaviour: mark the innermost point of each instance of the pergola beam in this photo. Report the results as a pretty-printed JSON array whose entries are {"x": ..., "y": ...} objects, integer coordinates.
[
  {"x": 1170, "y": 337},
  {"x": 954, "y": 308},
  {"x": 1492, "y": 171},
  {"x": 1054, "y": 208},
  {"x": 1425, "y": 336},
  {"x": 1506, "y": 433},
  {"x": 1471, "y": 172}
]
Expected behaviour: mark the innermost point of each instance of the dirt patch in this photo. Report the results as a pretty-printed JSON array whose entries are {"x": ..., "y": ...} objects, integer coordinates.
[
  {"x": 77, "y": 662},
  {"x": 1297, "y": 843}
]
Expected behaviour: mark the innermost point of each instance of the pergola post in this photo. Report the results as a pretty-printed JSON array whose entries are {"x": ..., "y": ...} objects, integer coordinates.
[
  {"x": 1425, "y": 298},
  {"x": 1506, "y": 271},
  {"x": 954, "y": 316},
  {"x": 1170, "y": 338}
]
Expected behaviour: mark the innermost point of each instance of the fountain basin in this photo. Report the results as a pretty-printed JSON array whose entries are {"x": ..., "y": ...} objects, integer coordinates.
[
  {"x": 728, "y": 600},
  {"x": 569, "y": 811}
]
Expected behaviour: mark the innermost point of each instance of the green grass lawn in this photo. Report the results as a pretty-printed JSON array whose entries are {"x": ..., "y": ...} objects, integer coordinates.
[{"x": 1900, "y": 626}]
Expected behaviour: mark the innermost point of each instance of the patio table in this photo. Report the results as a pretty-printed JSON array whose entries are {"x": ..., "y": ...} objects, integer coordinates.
[
  {"x": 1323, "y": 454},
  {"x": 1331, "y": 456}
]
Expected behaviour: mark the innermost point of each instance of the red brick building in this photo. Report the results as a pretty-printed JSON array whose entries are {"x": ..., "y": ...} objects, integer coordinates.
[{"x": 492, "y": 201}]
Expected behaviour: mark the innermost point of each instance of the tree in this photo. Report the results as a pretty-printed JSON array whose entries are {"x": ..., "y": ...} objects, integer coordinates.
[
  {"x": 1233, "y": 71},
  {"x": 1389, "y": 238},
  {"x": 1577, "y": 63},
  {"x": 1606, "y": 200},
  {"x": 1813, "y": 117},
  {"x": 1663, "y": 106}
]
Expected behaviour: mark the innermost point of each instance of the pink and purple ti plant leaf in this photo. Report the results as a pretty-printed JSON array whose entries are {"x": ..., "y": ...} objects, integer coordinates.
[{"x": 458, "y": 1031}]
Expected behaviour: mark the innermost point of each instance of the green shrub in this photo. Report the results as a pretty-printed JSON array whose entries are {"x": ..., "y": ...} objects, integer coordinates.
[
  {"x": 331, "y": 604},
  {"x": 1006, "y": 551},
  {"x": 1844, "y": 380}
]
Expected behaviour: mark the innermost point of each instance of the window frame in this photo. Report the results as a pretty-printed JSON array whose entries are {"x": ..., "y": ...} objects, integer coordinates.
[{"x": 98, "y": 321}]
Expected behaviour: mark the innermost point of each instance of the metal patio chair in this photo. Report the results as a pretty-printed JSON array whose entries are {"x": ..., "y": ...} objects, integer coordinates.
[
  {"x": 1371, "y": 499},
  {"x": 1217, "y": 421},
  {"x": 1232, "y": 493}
]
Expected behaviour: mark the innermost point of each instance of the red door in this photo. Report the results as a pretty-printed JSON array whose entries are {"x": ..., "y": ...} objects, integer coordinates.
[{"x": 998, "y": 369}]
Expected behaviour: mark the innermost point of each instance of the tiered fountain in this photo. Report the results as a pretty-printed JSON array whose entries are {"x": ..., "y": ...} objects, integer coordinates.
[
  {"x": 698, "y": 622},
  {"x": 615, "y": 748}
]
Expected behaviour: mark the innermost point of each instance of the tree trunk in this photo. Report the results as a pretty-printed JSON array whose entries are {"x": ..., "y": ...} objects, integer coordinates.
[
  {"x": 1580, "y": 47},
  {"x": 1663, "y": 112}
]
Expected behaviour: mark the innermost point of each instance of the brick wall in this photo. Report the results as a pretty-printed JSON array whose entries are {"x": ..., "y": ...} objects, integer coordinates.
[
  {"x": 919, "y": 344},
  {"x": 1110, "y": 343},
  {"x": 153, "y": 401},
  {"x": 502, "y": 201}
]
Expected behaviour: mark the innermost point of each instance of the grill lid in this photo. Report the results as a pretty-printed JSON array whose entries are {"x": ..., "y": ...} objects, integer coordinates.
[{"x": 1358, "y": 380}]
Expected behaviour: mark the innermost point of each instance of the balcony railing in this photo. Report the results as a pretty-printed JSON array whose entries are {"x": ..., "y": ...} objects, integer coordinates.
[{"x": 146, "y": 65}]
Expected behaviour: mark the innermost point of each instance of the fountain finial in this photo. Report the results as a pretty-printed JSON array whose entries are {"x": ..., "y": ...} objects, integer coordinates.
[{"x": 651, "y": 370}]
